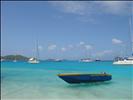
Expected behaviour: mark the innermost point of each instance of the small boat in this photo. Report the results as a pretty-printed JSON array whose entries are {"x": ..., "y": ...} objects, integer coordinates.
[
  {"x": 86, "y": 60},
  {"x": 85, "y": 78},
  {"x": 97, "y": 59},
  {"x": 58, "y": 60},
  {"x": 54, "y": 60}
]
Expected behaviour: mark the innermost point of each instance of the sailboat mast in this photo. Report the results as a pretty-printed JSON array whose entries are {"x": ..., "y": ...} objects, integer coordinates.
[
  {"x": 37, "y": 50},
  {"x": 15, "y": 57},
  {"x": 130, "y": 29}
]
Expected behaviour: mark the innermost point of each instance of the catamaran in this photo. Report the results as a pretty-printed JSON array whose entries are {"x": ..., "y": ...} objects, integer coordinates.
[
  {"x": 34, "y": 60},
  {"x": 124, "y": 61},
  {"x": 127, "y": 60}
]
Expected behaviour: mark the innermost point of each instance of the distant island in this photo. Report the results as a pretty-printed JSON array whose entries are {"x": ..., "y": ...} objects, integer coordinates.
[
  {"x": 24, "y": 58},
  {"x": 14, "y": 57}
]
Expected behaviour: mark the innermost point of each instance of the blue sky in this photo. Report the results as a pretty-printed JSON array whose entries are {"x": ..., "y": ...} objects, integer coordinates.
[{"x": 66, "y": 29}]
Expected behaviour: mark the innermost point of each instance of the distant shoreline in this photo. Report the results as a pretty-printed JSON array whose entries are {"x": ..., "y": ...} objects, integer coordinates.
[{"x": 24, "y": 58}]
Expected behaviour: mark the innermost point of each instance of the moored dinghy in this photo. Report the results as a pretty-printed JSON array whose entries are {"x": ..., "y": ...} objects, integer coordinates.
[{"x": 85, "y": 78}]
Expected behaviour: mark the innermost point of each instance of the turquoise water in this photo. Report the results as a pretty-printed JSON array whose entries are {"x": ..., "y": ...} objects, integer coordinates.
[{"x": 25, "y": 81}]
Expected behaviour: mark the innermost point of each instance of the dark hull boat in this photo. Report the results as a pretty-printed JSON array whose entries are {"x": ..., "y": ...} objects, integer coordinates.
[{"x": 85, "y": 78}]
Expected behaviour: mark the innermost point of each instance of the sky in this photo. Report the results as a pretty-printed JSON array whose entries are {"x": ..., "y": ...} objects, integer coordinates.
[{"x": 66, "y": 29}]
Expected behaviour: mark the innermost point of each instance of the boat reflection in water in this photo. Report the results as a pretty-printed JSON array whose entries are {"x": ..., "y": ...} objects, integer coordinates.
[{"x": 85, "y": 78}]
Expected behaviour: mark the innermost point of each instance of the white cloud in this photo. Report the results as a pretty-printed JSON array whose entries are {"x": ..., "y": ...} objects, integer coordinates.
[
  {"x": 70, "y": 46},
  {"x": 114, "y": 7},
  {"x": 75, "y": 7},
  {"x": 63, "y": 49},
  {"x": 116, "y": 41},
  {"x": 88, "y": 47},
  {"x": 40, "y": 47},
  {"x": 81, "y": 43},
  {"x": 52, "y": 47},
  {"x": 105, "y": 52},
  {"x": 84, "y": 45},
  {"x": 86, "y": 19},
  {"x": 91, "y": 7}
]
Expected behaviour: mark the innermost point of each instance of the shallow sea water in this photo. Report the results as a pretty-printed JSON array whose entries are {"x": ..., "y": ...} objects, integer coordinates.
[{"x": 25, "y": 81}]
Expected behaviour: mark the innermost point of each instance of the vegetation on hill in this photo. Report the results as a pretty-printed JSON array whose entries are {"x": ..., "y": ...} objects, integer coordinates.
[{"x": 14, "y": 57}]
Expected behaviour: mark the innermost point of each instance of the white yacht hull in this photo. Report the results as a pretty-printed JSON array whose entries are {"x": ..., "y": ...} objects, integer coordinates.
[
  {"x": 14, "y": 60},
  {"x": 124, "y": 62},
  {"x": 86, "y": 60},
  {"x": 33, "y": 62}
]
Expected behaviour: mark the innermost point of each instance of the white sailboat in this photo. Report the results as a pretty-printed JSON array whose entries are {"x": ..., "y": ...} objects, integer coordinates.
[
  {"x": 15, "y": 60},
  {"x": 2, "y": 60},
  {"x": 126, "y": 60},
  {"x": 86, "y": 60},
  {"x": 34, "y": 60}
]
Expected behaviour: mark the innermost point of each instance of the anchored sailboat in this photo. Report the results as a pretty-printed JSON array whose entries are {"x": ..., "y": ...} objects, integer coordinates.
[
  {"x": 87, "y": 59},
  {"x": 34, "y": 60},
  {"x": 15, "y": 60},
  {"x": 127, "y": 60}
]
